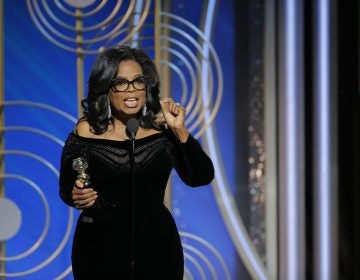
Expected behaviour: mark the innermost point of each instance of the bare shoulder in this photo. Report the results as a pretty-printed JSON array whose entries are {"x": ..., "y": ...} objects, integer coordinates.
[{"x": 83, "y": 129}]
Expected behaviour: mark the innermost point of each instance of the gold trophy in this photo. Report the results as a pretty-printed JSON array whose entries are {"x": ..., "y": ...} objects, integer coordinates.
[{"x": 80, "y": 165}]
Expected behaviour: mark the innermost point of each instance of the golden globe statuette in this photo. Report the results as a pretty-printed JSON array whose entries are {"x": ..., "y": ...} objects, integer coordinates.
[{"x": 80, "y": 165}]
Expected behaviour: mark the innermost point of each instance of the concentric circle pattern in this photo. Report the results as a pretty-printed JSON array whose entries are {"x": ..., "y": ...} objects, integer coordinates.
[
  {"x": 196, "y": 79},
  {"x": 84, "y": 27},
  {"x": 201, "y": 96},
  {"x": 46, "y": 224},
  {"x": 187, "y": 61},
  {"x": 202, "y": 260},
  {"x": 10, "y": 219}
]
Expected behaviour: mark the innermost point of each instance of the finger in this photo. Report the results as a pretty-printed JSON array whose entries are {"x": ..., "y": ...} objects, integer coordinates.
[
  {"x": 76, "y": 191},
  {"x": 81, "y": 203},
  {"x": 166, "y": 99},
  {"x": 179, "y": 106},
  {"x": 165, "y": 105},
  {"x": 168, "y": 102},
  {"x": 86, "y": 202},
  {"x": 174, "y": 104},
  {"x": 91, "y": 203},
  {"x": 87, "y": 205},
  {"x": 159, "y": 118},
  {"x": 182, "y": 110},
  {"x": 84, "y": 199},
  {"x": 176, "y": 108},
  {"x": 79, "y": 184},
  {"x": 82, "y": 196}
]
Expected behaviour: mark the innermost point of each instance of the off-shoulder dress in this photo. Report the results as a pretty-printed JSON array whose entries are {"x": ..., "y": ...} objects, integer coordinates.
[{"x": 124, "y": 225}]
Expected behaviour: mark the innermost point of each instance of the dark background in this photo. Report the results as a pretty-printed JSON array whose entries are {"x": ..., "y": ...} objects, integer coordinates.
[{"x": 349, "y": 140}]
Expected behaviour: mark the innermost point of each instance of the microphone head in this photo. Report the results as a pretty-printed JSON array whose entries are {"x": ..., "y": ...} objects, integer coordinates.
[{"x": 132, "y": 127}]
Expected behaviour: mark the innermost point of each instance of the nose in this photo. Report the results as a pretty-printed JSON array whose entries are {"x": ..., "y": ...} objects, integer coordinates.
[{"x": 133, "y": 87}]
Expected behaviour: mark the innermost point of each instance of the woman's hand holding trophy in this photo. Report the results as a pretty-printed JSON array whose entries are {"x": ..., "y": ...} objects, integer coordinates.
[{"x": 82, "y": 195}]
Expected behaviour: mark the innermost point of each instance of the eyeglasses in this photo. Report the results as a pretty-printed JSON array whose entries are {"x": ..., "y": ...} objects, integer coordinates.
[{"x": 122, "y": 85}]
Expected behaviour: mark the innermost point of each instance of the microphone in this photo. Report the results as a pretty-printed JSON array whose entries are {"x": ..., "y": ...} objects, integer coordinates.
[{"x": 132, "y": 127}]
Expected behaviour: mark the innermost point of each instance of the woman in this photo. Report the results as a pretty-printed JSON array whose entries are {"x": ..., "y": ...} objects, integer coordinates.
[{"x": 122, "y": 234}]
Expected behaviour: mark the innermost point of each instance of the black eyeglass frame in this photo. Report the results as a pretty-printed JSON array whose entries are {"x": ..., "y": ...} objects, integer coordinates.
[{"x": 114, "y": 89}]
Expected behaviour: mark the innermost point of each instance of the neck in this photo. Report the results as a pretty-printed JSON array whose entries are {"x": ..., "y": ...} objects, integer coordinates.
[{"x": 123, "y": 119}]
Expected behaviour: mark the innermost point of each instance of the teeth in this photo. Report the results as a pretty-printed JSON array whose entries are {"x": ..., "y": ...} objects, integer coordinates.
[{"x": 131, "y": 102}]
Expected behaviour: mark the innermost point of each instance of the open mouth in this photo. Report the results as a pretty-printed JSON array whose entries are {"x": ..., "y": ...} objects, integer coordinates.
[{"x": 131, "y": 102}]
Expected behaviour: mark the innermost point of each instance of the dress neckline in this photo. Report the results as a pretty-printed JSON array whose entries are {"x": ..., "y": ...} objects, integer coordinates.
[{"x": 142, "y": 139}]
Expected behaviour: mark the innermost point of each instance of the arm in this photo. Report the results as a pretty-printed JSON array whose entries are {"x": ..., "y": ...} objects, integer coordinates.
[
  {"x": 192, "y": 164},
  {"x": 66, "y": 179},
  {"x": 72, "y": 191},
  {"x": 194, "y": 167}
]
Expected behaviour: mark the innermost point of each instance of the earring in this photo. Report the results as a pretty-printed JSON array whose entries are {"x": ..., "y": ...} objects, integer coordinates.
[
  {"x": 109, "y": 110},
  {"x": 144, "y": 110}
]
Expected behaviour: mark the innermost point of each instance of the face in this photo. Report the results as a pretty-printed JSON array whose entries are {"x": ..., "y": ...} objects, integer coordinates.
[{"x": 128, "y": 102}]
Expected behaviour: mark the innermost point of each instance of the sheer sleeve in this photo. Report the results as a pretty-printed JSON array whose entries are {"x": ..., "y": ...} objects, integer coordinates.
[{"x": 192, "y": 164}]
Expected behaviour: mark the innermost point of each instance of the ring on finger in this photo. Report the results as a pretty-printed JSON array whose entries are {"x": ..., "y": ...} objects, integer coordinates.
[{"x": 82, "y": 202}]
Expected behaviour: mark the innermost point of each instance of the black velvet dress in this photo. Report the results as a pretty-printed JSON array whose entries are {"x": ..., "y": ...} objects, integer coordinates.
[{"x": 104, "y": 233}]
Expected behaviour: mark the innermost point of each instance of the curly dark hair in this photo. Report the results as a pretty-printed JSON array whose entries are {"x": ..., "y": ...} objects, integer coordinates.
[{"x": 104, "y": 70}]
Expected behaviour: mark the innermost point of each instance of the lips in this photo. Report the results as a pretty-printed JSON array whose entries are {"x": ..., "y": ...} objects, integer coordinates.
[{"x": 131, "y": 102}]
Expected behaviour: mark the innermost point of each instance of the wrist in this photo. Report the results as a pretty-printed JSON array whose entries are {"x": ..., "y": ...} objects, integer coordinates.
[{"x": 181, "y": 133}]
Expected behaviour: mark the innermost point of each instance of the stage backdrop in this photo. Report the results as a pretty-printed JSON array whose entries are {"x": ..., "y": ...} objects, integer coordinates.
[{"x": 48, "y": 47}]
